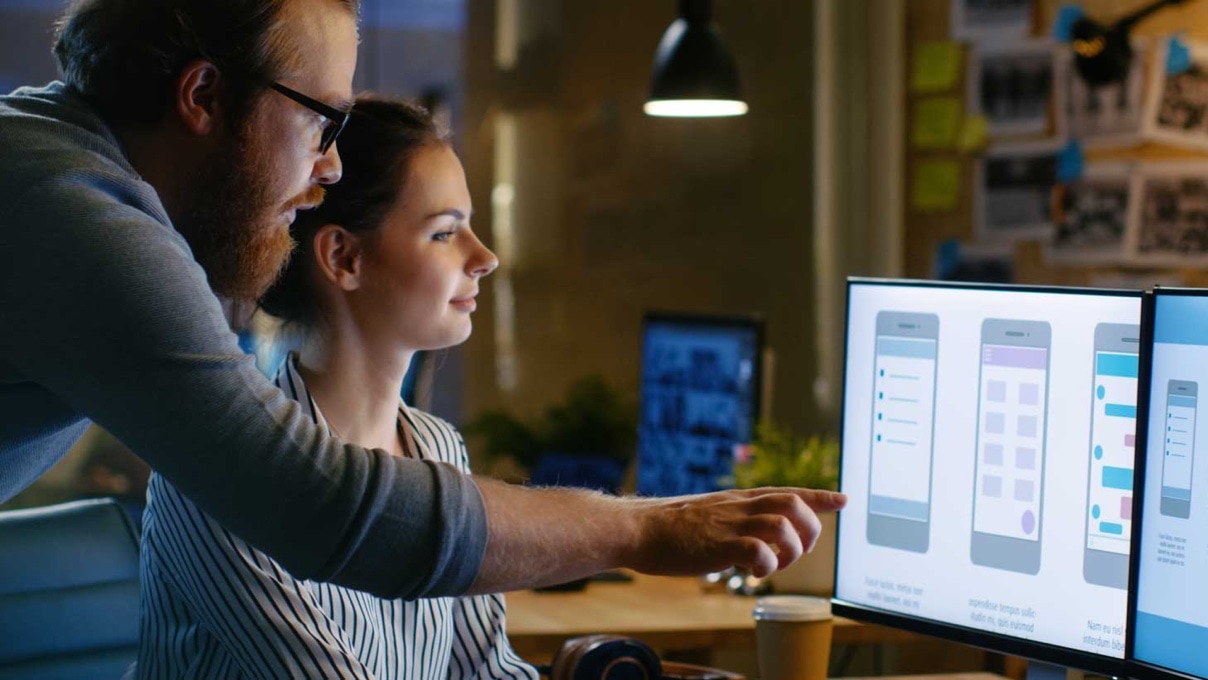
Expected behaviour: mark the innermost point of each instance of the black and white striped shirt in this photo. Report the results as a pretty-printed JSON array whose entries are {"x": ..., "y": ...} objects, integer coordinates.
[{"x": 214, "y": 607}]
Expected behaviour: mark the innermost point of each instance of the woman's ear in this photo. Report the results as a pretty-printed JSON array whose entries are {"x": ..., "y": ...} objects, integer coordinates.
[{"x": 338, "y": 256}]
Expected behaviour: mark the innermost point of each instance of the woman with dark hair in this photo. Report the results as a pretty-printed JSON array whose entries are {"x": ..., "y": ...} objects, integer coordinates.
[{"x": 386, "y": 267}]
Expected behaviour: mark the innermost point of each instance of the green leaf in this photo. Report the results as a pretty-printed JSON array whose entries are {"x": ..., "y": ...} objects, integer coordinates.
[{"x": 781, "y": 458}]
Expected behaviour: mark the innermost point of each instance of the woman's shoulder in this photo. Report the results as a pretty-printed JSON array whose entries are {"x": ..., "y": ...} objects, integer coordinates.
[
  {"x": 442, "y": 437},
  {"x": 434, "y": 424}
]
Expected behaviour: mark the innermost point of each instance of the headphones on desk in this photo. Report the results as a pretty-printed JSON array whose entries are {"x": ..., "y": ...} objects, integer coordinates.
[{"x": 615, "y": 657}]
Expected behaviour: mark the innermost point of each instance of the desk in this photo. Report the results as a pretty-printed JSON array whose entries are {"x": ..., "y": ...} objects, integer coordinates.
[
  {"x": 665, "y": 613},
  {"x": 937, "y": 676}
]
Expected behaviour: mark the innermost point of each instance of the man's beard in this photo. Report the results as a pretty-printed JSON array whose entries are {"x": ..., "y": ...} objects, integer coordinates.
[{"x": 233, "y": 224}]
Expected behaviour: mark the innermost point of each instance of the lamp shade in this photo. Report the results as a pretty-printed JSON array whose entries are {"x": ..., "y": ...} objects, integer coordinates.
[{"x": 694, "y": 74}]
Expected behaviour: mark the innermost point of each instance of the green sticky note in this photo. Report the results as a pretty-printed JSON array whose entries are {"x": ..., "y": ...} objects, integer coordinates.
[
  {"x": 974, "y": 133},
  {"x": 937, "y": 67},
  {"x": 937, "y": 122},
  {"x": 936, "y": 185}
]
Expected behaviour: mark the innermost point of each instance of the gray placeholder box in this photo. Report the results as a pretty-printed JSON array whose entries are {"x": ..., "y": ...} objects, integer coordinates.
[
  {"x": 996, "y": 423},
  {"x": 993, "y": 454},
  {"x": 1025, "y": 458},
  {"x": 992, "y": 486}
]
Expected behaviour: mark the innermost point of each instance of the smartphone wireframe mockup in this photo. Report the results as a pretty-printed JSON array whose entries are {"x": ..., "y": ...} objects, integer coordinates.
[
  {"x": 903, "y": 430},
  {"x": 1111, "y": 451},
  {"x": 1012, "y": 419},
  {"x": 1179, "y": 451}
]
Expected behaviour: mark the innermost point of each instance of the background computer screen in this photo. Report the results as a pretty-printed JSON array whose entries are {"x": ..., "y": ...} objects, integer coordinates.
[
  {"x": 699, "y": 398},
  {"x": 1171, "y": 625},
  {"x": 987, "y": 453}
]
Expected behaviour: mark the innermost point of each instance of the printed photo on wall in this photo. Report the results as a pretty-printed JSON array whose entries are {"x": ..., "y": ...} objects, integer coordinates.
[
  {"x": 1014, "y": 86},
  {"x": 1013, "y": 192},
  {"x": 977, "y": 20},
  {"x": 1108, "y": 116},
  {"x": 1176, "y": 111},
  {"x": 1168, "y": 225},
  {"x": 1091, "y": 216}
]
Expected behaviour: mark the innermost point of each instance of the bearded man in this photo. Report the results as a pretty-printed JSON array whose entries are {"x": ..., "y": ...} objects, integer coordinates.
[{"x": 163, "y": 173}]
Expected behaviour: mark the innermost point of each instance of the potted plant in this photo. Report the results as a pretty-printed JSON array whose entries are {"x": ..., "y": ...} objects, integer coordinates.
[
  {"x": 778, "y": 457},
  {"x": 586, "y": 440}
]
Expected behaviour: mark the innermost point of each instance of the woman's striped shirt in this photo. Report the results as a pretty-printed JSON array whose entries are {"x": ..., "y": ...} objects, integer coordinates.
[{"x": 214, "y": 607}]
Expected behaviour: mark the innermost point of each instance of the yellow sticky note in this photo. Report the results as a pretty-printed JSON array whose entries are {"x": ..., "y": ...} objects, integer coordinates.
[
  {"x": 974, "y": 134},
  {"x": 937, "y": 121},
  {"x": 936, "y": 185},
  {"x": 937, "y": 67}
]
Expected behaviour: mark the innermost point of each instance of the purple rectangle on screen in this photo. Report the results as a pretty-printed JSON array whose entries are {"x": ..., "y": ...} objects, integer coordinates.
[
  {"x": 1015, "y": 357},
  {"x": 1029, "y": 394},
  {"x": 996, "y": 391},
  {"x": 1126, "y": 507}
]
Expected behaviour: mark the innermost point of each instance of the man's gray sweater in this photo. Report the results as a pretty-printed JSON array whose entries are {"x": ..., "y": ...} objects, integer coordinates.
[{"x": 105, "y": 316}]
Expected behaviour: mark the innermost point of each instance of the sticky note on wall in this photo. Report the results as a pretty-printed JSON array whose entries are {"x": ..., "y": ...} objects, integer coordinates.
[
  {"x": 975, "y": 133},
  {"x": 936, "y": 124},
  {"x": 937, "y": 67},
  {"x": 935, "y": 185}
]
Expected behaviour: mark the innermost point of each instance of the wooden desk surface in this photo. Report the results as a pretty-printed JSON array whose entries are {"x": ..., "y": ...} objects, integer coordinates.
[
  {"x": 937, "y": 676},
  {"x": 666, "y": 613}
]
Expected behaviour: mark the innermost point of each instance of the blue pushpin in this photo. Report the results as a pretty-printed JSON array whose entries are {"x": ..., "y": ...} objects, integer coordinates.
[
  {"x": 1070, "y": 163},
  {"x": 1063, "y": 26},
  {"x": 1178, "y": 56},
  {"x": 947, "y": 257}
]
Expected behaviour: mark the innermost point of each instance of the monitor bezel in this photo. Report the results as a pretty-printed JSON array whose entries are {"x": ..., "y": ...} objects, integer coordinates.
[
  {"x": 734, "y": 320},
  {"x": 1149, "y": 307},
  {"x": 1038, "y": 651}
]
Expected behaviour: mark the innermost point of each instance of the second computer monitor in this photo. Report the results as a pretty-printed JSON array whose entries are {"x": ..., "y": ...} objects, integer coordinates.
[
  {"x": 1170, "y": 631},
  {"x": 700, "y": 397},
  {"x": 987, "y": 453}
]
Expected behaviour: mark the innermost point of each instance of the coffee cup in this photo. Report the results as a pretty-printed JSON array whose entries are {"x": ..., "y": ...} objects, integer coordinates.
[{"x": 793, "y": 637}]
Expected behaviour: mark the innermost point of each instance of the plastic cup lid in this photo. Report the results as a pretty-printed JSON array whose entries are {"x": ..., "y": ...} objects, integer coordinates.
[{"x": 792, "y": 608}]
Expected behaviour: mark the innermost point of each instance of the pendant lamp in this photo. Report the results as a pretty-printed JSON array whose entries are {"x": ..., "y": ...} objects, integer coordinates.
[{"x": 694, "y": 74}]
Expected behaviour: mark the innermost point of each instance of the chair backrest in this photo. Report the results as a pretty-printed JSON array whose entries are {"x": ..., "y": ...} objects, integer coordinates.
[{"x": 69, "y": 593}]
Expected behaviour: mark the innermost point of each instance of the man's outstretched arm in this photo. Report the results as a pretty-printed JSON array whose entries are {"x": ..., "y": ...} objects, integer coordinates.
[{"x": 545, "y": 536}]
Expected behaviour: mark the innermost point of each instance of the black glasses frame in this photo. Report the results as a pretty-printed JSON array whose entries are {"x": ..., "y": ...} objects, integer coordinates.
[{"x": 336, "y": 119}]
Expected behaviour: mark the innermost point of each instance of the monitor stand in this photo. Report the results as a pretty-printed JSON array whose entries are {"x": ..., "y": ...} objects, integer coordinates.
[{"x": 1045, "y": 671}]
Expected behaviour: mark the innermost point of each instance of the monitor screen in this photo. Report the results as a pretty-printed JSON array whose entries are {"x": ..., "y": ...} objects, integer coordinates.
[
  {"x": 699, "y": 399},
  {"x": 1171, "y": 625},
  {"x": 987, "y": 453}
]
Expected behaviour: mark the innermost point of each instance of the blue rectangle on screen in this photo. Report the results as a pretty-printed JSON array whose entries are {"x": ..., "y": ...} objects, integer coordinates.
[
  {"x": 1117, "y": 478},
  {"x": 906, "y": 347},
  {"x": 1174, "y": 644},
  {"x": 1120, "y": 410},
  {"x": 897, "y": 507},
  {"x": 1111, "y": 528},
  {"x": 1176, "y": 493},
  {"x": 1176, "y": 400},
  {"x": 1117, "y": 365},
  {"x": 1181, "y": 319}
]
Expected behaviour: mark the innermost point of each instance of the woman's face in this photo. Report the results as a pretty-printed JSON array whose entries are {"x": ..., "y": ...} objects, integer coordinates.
[{"x": 420, "y": 270}]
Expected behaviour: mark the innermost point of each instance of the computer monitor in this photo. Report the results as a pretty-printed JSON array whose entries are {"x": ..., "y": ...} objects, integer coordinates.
[
  {"x": 1170, "y": 565},
  {"x": 700, "y": 396},
  {"x": 987, "y": 453}
]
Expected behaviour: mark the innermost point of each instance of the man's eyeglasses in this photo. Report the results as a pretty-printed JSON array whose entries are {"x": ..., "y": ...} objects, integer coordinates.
[{"x": 336, "y": 119}]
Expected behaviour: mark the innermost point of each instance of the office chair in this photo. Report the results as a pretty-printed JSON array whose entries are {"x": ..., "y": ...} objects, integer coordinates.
[{"x": 69, "y": 593}]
